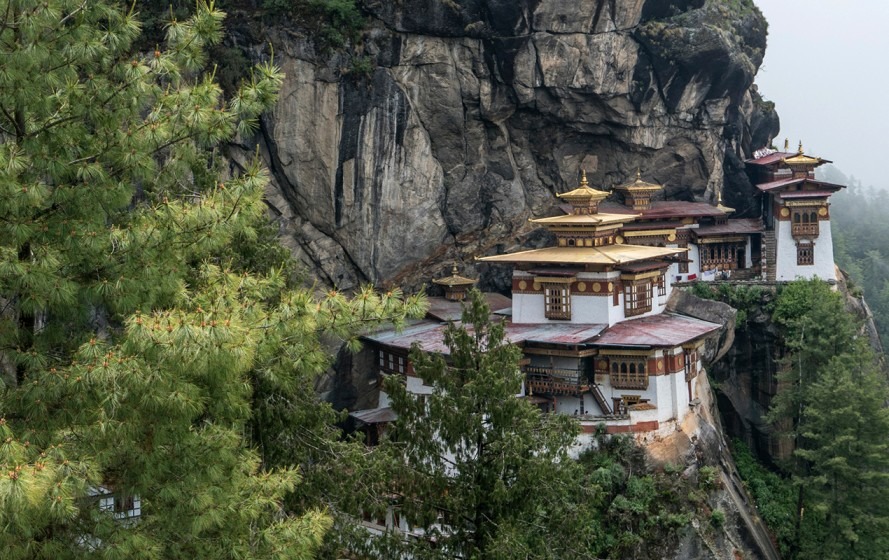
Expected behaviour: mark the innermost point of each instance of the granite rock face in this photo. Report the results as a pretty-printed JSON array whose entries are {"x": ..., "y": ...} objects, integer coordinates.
[{"x": 454, "y": 121}]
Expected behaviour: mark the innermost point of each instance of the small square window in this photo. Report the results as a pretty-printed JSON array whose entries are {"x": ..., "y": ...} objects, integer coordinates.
[{"x": 805, "y": 254}]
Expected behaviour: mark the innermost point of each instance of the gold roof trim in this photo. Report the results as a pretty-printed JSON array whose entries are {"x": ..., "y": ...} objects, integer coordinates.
[
  {"x": 586, "y": 219},
  {"x": 608, "y": 255},
  {"x": 454, "y": 279},
  {"x": 584, "y": 194},
  {"x": 639, "y": 185},
  {"x": 802, "y": 159}
]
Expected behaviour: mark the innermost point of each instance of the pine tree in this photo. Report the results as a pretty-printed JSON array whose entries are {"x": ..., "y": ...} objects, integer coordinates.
[
  {"x": 483, "y": 473},
  {"x": 845, "y": 427},
  {"x": 832, "y": 397},
  {"x": 138, "y": 308}
]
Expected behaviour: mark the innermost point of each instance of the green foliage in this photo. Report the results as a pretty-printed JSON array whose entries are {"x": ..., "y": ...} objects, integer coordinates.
[
  {"x": 642, "y": 511},
  {"x": 334, "y": 22},
  {"x": 832, "y": 404},
  {"x": 745, "y": 299},
  {"x": 485, "y": 473},
  {"x": 717, "y": 518},
  {"x": 144, "y": 298},
  {"x": 775, "y": 497}
]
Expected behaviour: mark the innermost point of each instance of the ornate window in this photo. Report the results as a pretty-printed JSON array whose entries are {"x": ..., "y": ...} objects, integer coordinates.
[
  {"x": 805, "y": 254},
  {"x": 637, "y": 298},
  {"x": 661, "y": 285},
  {"x": 805, "y": 222},
  {"x": 628, "y": 372},
  {"x": 557, "y": 300}
]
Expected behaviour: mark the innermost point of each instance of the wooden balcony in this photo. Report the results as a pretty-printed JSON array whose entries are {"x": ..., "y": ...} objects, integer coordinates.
[
  {"x": 629, "y": 380},
  {"x": 555, "y": 381},
  {"x": 804, "y": 230}
]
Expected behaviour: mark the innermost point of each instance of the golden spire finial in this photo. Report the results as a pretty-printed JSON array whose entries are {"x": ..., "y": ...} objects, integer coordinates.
[
  {"x": 583, "y": 181},
  {"x": 800, "y": 147},
  {"x": 787, "y": 144},
  {"x": 719, "y": 197},
  {"x": 454, "y": 270},
  {"x": 638, "y": 174}
]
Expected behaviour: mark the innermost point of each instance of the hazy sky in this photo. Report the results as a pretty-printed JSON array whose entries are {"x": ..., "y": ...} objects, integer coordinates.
[{"x": 825, "y": 68}]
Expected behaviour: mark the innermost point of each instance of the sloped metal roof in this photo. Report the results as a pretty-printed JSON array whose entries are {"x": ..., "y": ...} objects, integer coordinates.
[{"x": 662, "y": 330}]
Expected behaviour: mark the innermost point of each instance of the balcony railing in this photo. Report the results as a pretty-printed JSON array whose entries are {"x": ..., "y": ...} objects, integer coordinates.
[
  {"x": 629, "y": 380},
  {"x": 804, "y": 229},
  {"x": 555, "y": 381}
]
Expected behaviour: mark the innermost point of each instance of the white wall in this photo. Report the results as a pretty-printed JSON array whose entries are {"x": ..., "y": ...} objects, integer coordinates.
[
  {"x": 585, "y": 309},
  {"x": 786, "y": 268}
]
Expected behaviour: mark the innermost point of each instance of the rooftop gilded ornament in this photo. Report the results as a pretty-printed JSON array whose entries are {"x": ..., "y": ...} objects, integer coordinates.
[
  {"x": 720, "y": 206},
  {"x": 802, "y": 160},
  {"x": 584, "y": 196},
  {"x": 454, "y": 279},
  {"x": 639, "y": 186}
]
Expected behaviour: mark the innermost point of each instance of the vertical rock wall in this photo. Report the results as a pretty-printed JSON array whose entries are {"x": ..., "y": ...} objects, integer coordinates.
[{"x": 453, "y": 122}]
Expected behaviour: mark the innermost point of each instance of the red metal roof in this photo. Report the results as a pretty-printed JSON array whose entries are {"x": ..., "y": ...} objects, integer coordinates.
[
  {"x": 552, "y": 333},
  {"x": 774, "y": 157},
  {"x": 731, "y": 227},
  {"x": 665, "y": 329},
  {"x": 666, "y": 209},
  {"x": 773, "y": 185},
  {"x": 431, "y": 338}
]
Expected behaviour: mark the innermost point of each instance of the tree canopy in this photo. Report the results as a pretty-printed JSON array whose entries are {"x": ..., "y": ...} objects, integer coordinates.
[
  {"x": 142, "y": 297},
  {"x": 832, "y": 402}
]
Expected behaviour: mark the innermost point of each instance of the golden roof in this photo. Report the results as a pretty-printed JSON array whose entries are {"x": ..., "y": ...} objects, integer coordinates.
[
  {"x": 608, "y": 255},
  {"x": 586, "y": 219},
  {"x": 454, "y": 279},
  {"x": 802, "y": 159},
  {"x": 639, "y": 186},
  {"x": 584, "y": 194}
]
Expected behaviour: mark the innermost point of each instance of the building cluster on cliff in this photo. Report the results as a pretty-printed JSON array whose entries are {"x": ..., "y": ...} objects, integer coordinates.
[{"x": 591, "y": 312}]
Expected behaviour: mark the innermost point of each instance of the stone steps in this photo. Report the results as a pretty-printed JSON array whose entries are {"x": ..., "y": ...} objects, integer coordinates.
[{"x": 770, "y": 253}]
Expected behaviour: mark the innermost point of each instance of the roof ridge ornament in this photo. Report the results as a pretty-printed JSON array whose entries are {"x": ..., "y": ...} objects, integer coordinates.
[
  {"x": 800, "y": 147},
  {"x": 583, "y": 180}
]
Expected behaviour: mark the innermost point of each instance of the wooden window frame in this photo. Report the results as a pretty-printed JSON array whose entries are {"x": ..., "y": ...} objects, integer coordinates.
[
  {"x": 805, "y": 254},
  {"x": 691, "y": 363},
  {"x": 628, "y": 372},
  {"x": 637, "y": 298},
  {"x": 556, "y": 300}
]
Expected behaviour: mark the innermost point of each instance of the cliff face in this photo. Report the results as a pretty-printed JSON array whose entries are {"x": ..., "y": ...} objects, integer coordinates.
[{"x": 454, "y": 122}]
